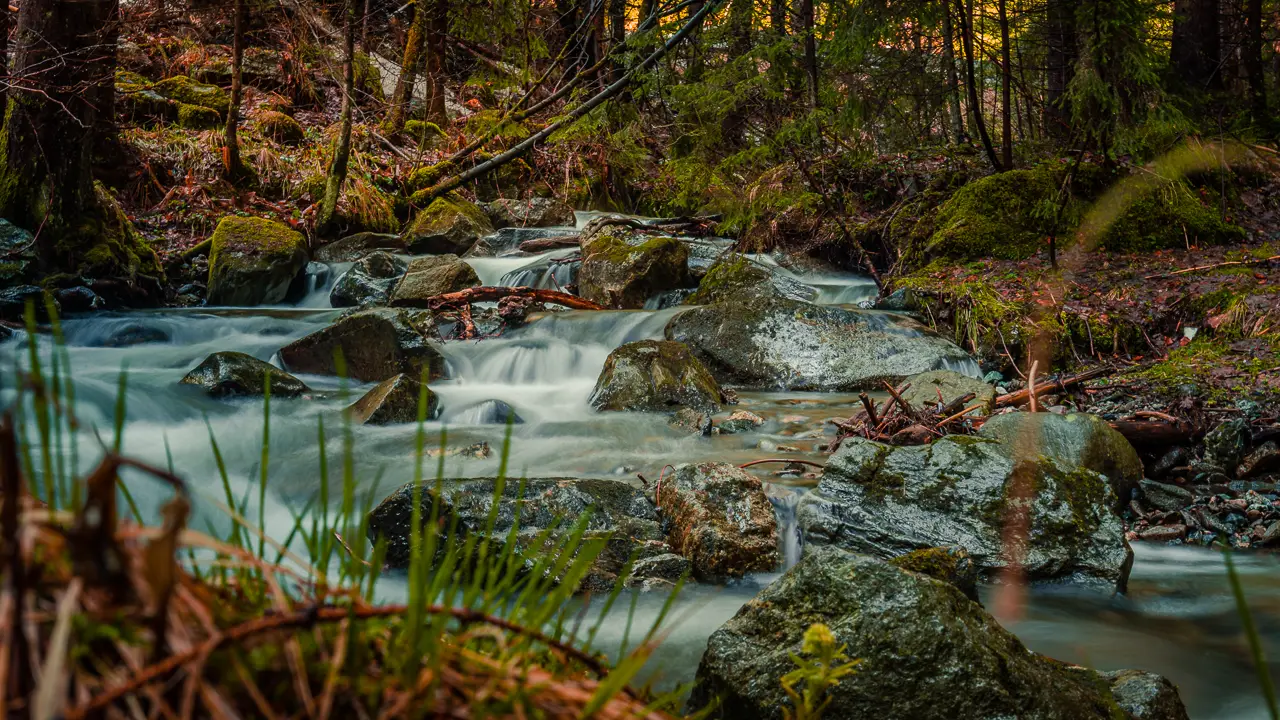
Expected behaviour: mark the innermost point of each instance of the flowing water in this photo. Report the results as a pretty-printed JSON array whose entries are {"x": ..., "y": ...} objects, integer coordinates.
[{"x": 1177, "y": 619}]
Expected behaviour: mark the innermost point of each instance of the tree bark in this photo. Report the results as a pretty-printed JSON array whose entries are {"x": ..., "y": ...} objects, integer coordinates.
[
  {"x": 953, "y": 79},
  {"x": 1196, "y": 49},
  {"x": 1006, "y": 83},
  {"x": 617, "y": 34},
  {"x": 341, "y": 155},
  {"x": 807, "y": 21},
  {"x": 1061, "y": 54},
  {"x": 1253, "y": 62},
  {"x": 402, "y": 96},
  {"x": 233, "y": 169},
  {"x": 438, "y": 33},
  {"x": 975, "y": 103}
]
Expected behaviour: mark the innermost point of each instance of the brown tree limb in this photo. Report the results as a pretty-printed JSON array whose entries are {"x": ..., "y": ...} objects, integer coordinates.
[
  {"x": 1020, "y": 397},
  {"x": 1214, "y": 266},
  {"x": 493, "y": 294}
]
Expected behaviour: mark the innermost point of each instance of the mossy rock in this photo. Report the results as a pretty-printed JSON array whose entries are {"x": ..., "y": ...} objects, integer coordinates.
[
  {"x": 424, "y": 178},
  {"x": 949, "y": 564},
  {"x": 253, "y": 261},
  {"x": 1005, "y": 215},
  {"x": 235, "y": 374},
  {"x": 1171, "y": 215},
  {"x": 195, "y": 117},
  {"x": 450, "y": 224},
  {"x": 426, "y": 134},
  {"x": 105, "y": 244},
  {"x": 183, "y": 89},
  {"x": 738, "y": 276},
  {"x": 369, "y": 78},
  {"x": 280, "y": 127},
  {"x": 623, "y": 270},
  {"x": 655, "y": 376}
]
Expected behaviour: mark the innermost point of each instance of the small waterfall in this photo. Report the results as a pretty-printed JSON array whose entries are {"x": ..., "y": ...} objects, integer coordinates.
[{"x": 790, "y": 540}]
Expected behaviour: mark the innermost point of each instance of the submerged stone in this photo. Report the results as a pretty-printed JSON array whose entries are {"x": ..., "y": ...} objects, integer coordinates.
[
  {"x": 375, "y": 345},
  {"x": 720, "y": 518},
  {"x": 230, "y": 374}
]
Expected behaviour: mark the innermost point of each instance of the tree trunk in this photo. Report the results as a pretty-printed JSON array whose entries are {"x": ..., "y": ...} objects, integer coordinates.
[
  {"x": 437, "y": 36},
  {"x": 342, "y": 154},
  {"x": 1061, "y": 54},
  {"x": 740, "y": 18},
  {"x": 1196, "y": 50},
  {"x": 975, "y": 104},
  {"x": 953, "y": 79},
  {"x": 402, "y": 97},
  {"x": 233, "y": 170},
  {"x": 810, "y": 50},
  {"x": 617, "y": 34},
  {"x": 694, "y": 73},
  {"x": 1253, "y": 62},
  {"x": 364, "y": 28},
  {"x": 1006, "y": 87},
  {"x": 778, "y": 17}
]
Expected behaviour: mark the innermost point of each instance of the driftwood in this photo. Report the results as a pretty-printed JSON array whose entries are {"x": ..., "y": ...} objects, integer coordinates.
[
  {"x": 1021, "y": 397},
  {"x": 1156, "y": 433},
  {"x": 464, "y": 298},
  {"x": 550, "y": 243}
]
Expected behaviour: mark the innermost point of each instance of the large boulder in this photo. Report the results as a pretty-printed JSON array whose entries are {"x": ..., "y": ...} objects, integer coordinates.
[
  {"x": 738, "y": 276},
  {"x": 950, "y": 385},
  {"x": 719, "y": 517},
  {"x": 926, "y": 652},
  {"x": 392, "y": 402},
  {"x": 450, "y": 224},
  {"x": 17, "y": 254},
  {"x": 369, "y": 282},
  {"x": 774, "y": 343},
  {"x": 655, "y": 376},
  {"x": 354, "y": 247},
  {"x": 887, "y": 501},
  {"x": 621, "y": 269},
  {"x": 14, "y": 301},
  {"x": 229, "y": 374},
  {"x": 375, "y": 345},
  {"x": 615, "y": 512},
  {"x": 253, "y": 261},
  {"x": 1074, "y": 440},
  {"x": 535, "y": 212},
  {"x": 430, "y": 276}
]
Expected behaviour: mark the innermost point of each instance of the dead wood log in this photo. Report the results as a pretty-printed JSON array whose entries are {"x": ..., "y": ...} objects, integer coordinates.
[
  {"x": 1020, "y": 397},
  {"x": 1152, "y": 433},
  {"x": 551, "y": 243},
  {"x": 494, "y": 294}
]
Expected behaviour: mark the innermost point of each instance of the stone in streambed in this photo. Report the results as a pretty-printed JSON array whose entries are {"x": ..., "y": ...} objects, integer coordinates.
[
  {"x": 375, "y": 344},
  {"x": 720, "y": 518},
  {"x": 957, "y": 491},
  {"x": 739, "y": 277},
  {"x": 740, "y": 421},
  {"x": 927, "y": 652},
  {"x": 1261, "y": 460},
  {"x": 1162, "y": 496},
  {"x": 1225, "y": 445},
  {"x": 618, "y": 515},
  {"x": 951, "y": 565},
  {"x": 369, "y": 282},
  {"x": 773, "y": 343},
  {"x": 1145, "y": 696},
  {"x": 1075, "y": 440},
  {"x": 254, "y": 261},
  {"x": 14, "y": 301},
  {"x": 392, "y": 402},
  {"x": 230, "y": 374},
  {"x": 926, "y": 387},
  {"x": 654, "y": 376},
  {"x": 428, "y": 277},
  {"x": 450, "y": 224},
  {"x": 535, "y": 212},
  {"x": 355, "y": 247},
  {"x": 622, "y": 269}
]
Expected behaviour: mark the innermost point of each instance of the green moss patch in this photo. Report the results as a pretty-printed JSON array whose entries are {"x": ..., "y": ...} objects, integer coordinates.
[
  {"x": 185, "y": 90},
  {"x": 280, "y": 127},
  {"x": 195, "y": 117},
  {"x": 1172, "y": 215},
  {"x": 1007, "y": 215}
]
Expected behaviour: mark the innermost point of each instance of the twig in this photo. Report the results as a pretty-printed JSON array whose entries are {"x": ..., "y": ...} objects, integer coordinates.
[
  {"x": 1215, "y": 266},
  {"x": 810, "y": 463},
  {"x": 870, "y": 408},
  {"x": 1031, "y": 386}
]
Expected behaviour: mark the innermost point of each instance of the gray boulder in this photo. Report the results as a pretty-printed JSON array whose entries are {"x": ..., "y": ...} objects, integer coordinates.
[
  {"x": 719, "y": 517},
  {"x": 773, "y": 343},
  {"x": 450, "y": 224},
  {"x": 926, "y": 387},
  {"x": 738, "y": 276},
  {"x": 392, "y": 402},
  {"x": 14, "y": 301},
  {"x": 1075, "y": 440},
  {"x": 926, "y": 652},
  {"x": 430, "y": 276},
  {"x": 369, "y": 282},
  {"x": 354, "y": 247},
  {"x": 655, "y": 376},
  {"x": 18, "y": 250},
  {"x": 254, "y": 261},
  {"x": 1145, "y": 696},
  {"x": 618, "y": 517},
  {"x": 229, "y": 374},
  {"x": 375, "y": 344},
  {"x": 887, "y": 501},
  {"x": 535, "y": 212},
  {"x": 623, "y": 269}
]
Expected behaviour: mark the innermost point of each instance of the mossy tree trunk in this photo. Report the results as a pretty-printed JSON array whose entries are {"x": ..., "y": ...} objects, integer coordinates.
[
  {"x": 46, "y": 181},
  {"x": 233, "y": 169},
  {"x": 342, "y": 154},
  {"x": 402, "y": 97}
]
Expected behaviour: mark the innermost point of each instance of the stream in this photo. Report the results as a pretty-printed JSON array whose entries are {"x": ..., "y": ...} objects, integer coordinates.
[{"x": 1178, "y": 618}]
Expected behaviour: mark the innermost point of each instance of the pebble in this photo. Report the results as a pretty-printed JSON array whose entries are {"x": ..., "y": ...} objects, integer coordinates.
[{"x": 1164, "y": 533}]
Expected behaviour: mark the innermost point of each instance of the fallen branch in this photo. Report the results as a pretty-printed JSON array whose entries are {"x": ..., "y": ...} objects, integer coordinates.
[
  {"x": 1020, "y": 397},
  {"x": 1156, "y": 434},
  {"x": 810, "y": 463},
  {"x": 551, "y": 243},
  {"x": 493, "y": 294},
  {"x": 1215, "y": 266}
]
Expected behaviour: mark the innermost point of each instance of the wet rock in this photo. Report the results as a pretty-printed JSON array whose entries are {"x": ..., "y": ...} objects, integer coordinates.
[
  {"x": 668, "y": 567},
  {"x": 135, "y": 334},
  {"x": 254, "y": 261},
  {"x": 927, "y": 652},
  {"x": 1270, "y": 536},
  {"x": 355, "y": 247},
  {"x": 535, "y": 212},
  {"x": 616, "y": 513},
  {"x": 507, "y": 240},
  {"x": 654, "y": 376},
  {"x": 1225, "y": 445},
  {"x": 14, "y": 300},
  {"x": 494, "y": 412},
  {"x": 737, "y": 277},
  {"x": 474, "y": 451},
  {"x": 720, "y": 518},
  {"x": 621, "y": 269},
  {"x": 231, "y": 374},
  {"x": 375, "y": 344},
  {"x": 951, "y": 565},
  {"x": 1075, "y": 440},
  {"x": 1145, "y": 696},
  {"x": 369, "y": 282},
  {"x": 912, "y": 435},
  {"x": 1262, "y": 460},
  {"x": 887, "y": 501},
  {"x": 450, "y": 224},
  {"x": 926, "y": 387},
  {"x": 1177, "y": 457},
  {"x": 1163, "y": 533},
  {"x": 392, "y": 402},
  {"x": 694, "y": 422},
  {"x": 1162, "y": 496},
  {"x": 79, "y": 299},
  {"x": 18, "y": 250},
  {"x": 900, "y": 300},
  {"x": 740, "y": 421},
  {"x": 779, "y": 344},
  {"x": 5, "y": 333},
  {"x": 428, "y": 277}
]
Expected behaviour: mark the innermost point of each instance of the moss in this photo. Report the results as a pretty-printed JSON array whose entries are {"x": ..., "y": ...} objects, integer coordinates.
[
  {"x": 369, "y": 77},
  {"x": 105, "y": 242},
  {"x": 427, "y": 134},
  {"x": 128, "y": 81},
  {"x": 444, "y": 211},
  {"x": 1172, "y": 215},
  {"x": 185, "y": 90},
  {"x": 280, "y": 127},
  {"x": 312, "y": 185},
  {"x": 1003, "y": 216},
  {"x": 485, "y": 121},
  {"x": 727, "y": 278},
  {"x": 241, "y": 240},
  {"x": 424, "y": 178},
  {"x": 195, "y": 117}
]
